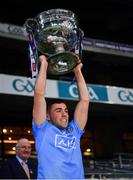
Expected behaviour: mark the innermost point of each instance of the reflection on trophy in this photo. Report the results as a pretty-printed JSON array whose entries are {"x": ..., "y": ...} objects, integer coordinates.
[{"x": 55, "y": 33}]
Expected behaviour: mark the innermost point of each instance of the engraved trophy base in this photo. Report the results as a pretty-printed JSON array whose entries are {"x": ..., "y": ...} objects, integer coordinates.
[{"x": 62, "y": 63}]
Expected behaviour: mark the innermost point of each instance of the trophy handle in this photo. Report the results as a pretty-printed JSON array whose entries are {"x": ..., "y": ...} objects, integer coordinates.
[
  {"x": 79, "y": 46},
  {"x": 31, "y": 25},
  {"x": 81, "y": 33}
]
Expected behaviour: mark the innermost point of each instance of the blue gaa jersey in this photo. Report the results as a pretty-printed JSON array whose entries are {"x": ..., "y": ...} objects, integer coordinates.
[{"x": 58, "y": 150}]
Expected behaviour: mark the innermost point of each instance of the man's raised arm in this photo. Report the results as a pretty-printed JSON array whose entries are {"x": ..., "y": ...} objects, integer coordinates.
[
  {"x": 39, "y": 107},
  {"x": 81, "y": 111}
]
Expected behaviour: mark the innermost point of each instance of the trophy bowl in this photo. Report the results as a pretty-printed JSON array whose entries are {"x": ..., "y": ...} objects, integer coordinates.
[{"x": 57, "y": 36}]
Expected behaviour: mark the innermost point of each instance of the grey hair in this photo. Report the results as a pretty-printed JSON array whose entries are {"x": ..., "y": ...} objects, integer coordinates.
[{"x": 18, "y": 142}]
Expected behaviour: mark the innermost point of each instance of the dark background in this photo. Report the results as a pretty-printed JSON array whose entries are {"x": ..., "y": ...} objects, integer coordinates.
[{"x": 106, "y": 19}]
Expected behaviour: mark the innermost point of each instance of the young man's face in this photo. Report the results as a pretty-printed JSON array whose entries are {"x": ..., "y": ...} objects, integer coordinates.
[{"x": 59, "y": 115}]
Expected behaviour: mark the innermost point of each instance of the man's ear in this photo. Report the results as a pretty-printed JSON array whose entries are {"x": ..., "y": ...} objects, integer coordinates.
[{"x": 47, "y": 116}]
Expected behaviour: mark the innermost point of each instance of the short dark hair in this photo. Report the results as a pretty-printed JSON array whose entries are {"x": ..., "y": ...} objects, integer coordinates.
[{"x": 50, "y": 102}]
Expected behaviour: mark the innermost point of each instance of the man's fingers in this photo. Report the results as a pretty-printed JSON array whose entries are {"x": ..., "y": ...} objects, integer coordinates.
[{"x": 42, "y": 58}]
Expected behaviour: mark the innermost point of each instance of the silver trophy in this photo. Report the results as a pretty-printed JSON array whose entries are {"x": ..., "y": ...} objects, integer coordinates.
[{"x": 55, "y": 33}]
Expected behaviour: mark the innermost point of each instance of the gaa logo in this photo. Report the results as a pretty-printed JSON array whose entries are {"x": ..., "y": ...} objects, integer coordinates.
[
  {"x": 15, "y": 30},
  {"x": 21, "y": 85},
  {"x": 125, "y": 96}
]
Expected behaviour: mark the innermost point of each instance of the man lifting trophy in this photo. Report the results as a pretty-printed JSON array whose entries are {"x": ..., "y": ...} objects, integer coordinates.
[{"x": 56, "y": 34}]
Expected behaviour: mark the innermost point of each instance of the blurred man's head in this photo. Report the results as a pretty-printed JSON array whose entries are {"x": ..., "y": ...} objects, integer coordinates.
[{"x": 23, "y": 149}]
